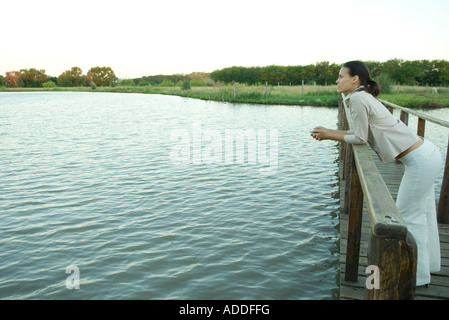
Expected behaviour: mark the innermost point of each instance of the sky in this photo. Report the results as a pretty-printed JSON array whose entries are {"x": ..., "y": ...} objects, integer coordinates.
[{"x": 144, "y": 37}]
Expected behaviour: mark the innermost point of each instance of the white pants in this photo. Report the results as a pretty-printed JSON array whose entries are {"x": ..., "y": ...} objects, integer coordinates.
[{"x": 416, "y": 203}]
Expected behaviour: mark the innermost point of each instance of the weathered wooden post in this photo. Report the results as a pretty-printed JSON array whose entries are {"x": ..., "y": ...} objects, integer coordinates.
[
  {"x": 353, "y": 202},
  {"x": 354, "y": 224},
  {"x": 404, "y": 117},
  {"x": 396, "y": 260},
  {"x": 349, "y": 155},
  {"x": 342, "y": 125},
  {"x": 421, "y": 127}
]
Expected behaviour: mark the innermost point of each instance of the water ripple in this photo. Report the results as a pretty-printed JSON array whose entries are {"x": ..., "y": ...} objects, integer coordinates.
[{"x": 87, "y": 180}]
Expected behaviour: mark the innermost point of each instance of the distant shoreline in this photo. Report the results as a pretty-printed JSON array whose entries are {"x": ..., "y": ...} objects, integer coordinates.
[{"x": 326, "y": 96}]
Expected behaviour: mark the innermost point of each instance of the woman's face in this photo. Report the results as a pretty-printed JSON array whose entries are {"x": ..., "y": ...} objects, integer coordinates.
[{"x": 345, "y": 82}]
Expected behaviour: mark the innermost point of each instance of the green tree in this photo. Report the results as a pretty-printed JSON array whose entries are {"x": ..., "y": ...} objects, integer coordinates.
[
  {"x": 443, "y": 71},
  {"x": 270, "y": 74},
  {"x": 250, "y": 75},
  {"x": 373, "y": 67},
  {"x": 392, "y": 68},
  {"x": 436, "y": 72},
  {"x": 33, "y": 77},
  {"x": 71, "y": 78},
  {"x": 308, "y": 73},
  {"x": 167, "y": 83},
  {"x": 326, "y": 73},
  {"x": 49, "y": 84},
  {"x": 293, "y": 74},
  {"x": 126, "y": 82},
  {"x": 429, "y": 73},
  {"x": 410, "y": 72},
  {"x": 13, "y": 79},
  {"x": 101, "y": 76}
]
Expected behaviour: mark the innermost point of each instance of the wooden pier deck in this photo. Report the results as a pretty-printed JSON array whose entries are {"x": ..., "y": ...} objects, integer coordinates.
[{"x": 439, "y": 287}]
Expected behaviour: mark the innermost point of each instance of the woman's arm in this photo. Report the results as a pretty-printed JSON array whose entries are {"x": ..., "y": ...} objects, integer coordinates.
[
  {"x": 359, "y": 113},
  {"x": 321, "y": 133}
]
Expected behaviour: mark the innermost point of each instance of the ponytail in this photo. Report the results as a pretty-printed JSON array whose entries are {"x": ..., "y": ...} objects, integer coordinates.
[
  {"x": 357, "y": 68},
  {"x": 372, "y": 87}
]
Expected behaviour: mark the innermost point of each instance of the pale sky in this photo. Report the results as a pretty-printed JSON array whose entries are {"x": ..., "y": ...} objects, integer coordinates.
[{"x": 138, "y": 38}]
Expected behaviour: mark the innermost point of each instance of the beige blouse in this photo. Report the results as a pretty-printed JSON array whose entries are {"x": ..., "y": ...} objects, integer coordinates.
[{"x": 373, "y": 123}]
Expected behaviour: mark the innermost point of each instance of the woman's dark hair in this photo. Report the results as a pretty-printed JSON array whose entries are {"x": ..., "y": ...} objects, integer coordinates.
[{"x": 357, "y": 68}]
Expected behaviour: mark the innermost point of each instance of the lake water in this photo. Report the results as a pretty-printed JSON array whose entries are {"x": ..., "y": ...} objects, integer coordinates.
[{"x": 148, "y": 197}]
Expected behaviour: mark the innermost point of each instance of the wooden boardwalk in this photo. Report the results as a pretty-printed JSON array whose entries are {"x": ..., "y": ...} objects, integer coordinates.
[{"x": 439, "y": 287}]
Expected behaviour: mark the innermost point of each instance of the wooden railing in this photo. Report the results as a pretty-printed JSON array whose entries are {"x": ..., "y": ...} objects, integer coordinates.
[
  {"x": 443, "y": 205},
  {"x": 392, "y": 249}
]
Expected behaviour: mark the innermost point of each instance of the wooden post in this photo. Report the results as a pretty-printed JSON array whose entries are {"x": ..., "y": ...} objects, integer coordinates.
[
  {"x": 302, "y": 87},
  {"x": 349, "y": 155},
  {"x": 342, "y": 125},
  {"x": 404, "y": 117},
  {"x": 346, "y": 156},
  {"x": 396, "y": 260},
  {"x": 266, "y": 89},
  {"x": 234, "y": 90},
  {"x": 443, "y": 205},
  {"x": 354, "y": 224},
  {"x": 421, "y": 127}
]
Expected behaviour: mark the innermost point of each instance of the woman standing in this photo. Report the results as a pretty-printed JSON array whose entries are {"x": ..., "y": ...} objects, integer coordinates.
[{"x": 392, "y": 139}]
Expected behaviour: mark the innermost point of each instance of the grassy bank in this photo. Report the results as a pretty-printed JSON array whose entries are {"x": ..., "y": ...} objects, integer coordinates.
[
  {"x": 410, "y": 97},
  {"x": 287, "y": 95}
]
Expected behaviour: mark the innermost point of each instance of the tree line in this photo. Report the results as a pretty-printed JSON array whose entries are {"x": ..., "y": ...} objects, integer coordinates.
[
  {"x": 416, "y": 72},
  {"x": 95, "y": 77},
  {"x": 199, "y": 79}
]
